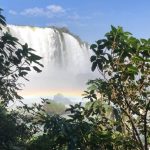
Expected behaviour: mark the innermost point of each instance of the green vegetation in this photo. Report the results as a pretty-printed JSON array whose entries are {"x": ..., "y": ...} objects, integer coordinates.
[
  {"x": 117, "y": 117},
  {"x": 124, "y": 64},
  {"x": 16, "y": 60}
]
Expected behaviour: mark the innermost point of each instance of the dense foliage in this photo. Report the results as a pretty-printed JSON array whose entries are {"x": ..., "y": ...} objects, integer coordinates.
[
  {"x": 16, "y": 60},
  {"x": 124, "y": 65}
]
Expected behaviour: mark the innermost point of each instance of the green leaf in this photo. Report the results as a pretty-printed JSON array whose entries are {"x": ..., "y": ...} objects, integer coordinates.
[
  {"x": 94, "y": 65},
  {"x": 34, "y": 57},
  {"x": 137, "y": 58},
  {"x": 2, "y": 20},
  {"x": 37, "y": 69},
  {"x": 113, "y": 28},
  {"x": 23, "y": 73},
  {"x": 93, "y": 46},
  {"x": 39, "y": 63},
  {"x": 93, "y": 58},
  {"x": 99, "y": 42},
  {"x": 132, "y": 69},
  {"x": 101, "y": 46},
  {"x": 127, "y": 33},
  {"x": 100, "y": 66},
  {"x": 143, "y": 40},
  {"x": 25, "y": 68}
]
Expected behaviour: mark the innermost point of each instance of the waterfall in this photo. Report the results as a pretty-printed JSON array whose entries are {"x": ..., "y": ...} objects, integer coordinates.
[{"x": 65, "y": 59}]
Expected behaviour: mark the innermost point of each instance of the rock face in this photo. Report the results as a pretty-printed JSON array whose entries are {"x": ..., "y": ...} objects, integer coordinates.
[{"x": 65, "y": 58}]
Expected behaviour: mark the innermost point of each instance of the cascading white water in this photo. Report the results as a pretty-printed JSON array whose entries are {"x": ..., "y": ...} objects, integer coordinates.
[{"x": 65, "y": 59}]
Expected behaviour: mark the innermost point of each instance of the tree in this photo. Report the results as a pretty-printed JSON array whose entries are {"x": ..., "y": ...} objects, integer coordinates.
[
  {"x": 16, "y": 60},
  {"x": 123, "y": 62},
  {"x": 75, "y": 132}
]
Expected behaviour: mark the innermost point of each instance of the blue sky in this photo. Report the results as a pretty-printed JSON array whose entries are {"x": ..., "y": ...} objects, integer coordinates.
[{"x": 90, "y": 19}]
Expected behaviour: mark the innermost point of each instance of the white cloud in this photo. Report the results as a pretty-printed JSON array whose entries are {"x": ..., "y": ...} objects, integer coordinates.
[
  {"x": 33, "y": 11},
  {"x": 12, "y": 12},
  {"x": 64, "y": 16},
  {"x": 55, "y": 8},
  {"x": 48, "y": 11}
]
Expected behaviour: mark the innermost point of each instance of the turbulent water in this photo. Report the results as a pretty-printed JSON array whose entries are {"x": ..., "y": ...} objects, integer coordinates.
[{"x": 65, "y": 59}]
